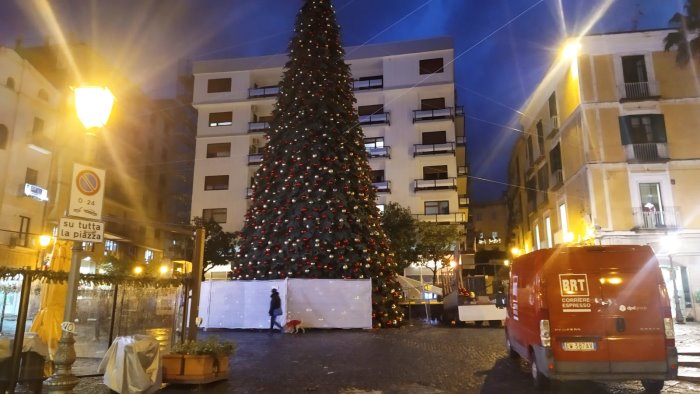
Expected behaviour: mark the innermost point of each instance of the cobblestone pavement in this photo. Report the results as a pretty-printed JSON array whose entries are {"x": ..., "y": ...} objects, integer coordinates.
[{"x": 418, "y": 359}]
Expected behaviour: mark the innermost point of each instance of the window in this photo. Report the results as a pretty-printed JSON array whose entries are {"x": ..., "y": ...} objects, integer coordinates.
[
  {"x": 634, "y": 69},
  {"x": 563, "y": 221},
  {"x": 555, "y": 158},
  {"x": 88, "y": 247},
  {"x": 652, "y": 205},
  {"x": 431, "y": 66},
  {"x": 216, "y": 214},
  {"x": 437, "y": 207},
  {"x": 110, "y": 246},
  {"x": 529, "y": 151},
  {"x": 365, "y": 110},
  {"x": 374, "y": 143},
  {"x": 148, "y": 255},
  {"x": 219, "y": 85},
  {"x": 380, "y": 207},
  {"x": 553, "y": 105},
  {"x": 540, "y": 138},
  {"x": 220, "y": 119},
  {"x": 10, "y": 83},
  {"x": 43, "y": 95},
  {"x": 31, "y": 176},
  {"x": 548, "y": 229},
  {"x": 538, "y": 244},
  {"x": 377, "y": 176},
  {"x": 642, "y": 129},
  {"x": 432, "y": 103},
  {"x": 219, "y": 150},
  {"x": 434, "y": 137},
  {"x": 23, "y": 230},
  {"x": 3, "y": 136},
  {"x": 216, "y": 182},
  {"x": 435, "y": 172},
  {"x": 38, "y": 126}
]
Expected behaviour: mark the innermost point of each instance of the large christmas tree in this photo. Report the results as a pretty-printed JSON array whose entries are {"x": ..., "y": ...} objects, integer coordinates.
[{"x": 314, "y": 212}]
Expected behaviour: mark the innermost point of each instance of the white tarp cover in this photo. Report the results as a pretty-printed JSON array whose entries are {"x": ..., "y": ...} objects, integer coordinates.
[
  {"x": 132, "y": 365},
  {"x": 319, "y": 303}
]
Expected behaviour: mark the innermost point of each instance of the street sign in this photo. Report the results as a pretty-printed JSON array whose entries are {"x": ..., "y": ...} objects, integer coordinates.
[
  {"x": 87, "y": 192},
  {"x": 81, "y": 230}
]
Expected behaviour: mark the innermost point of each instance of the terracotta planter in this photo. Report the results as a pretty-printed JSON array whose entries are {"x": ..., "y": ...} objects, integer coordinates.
[
  {"x": 197, "y": 367},
  {"x": 222, "y": 364},
  {"x": 172, "y": 365}
]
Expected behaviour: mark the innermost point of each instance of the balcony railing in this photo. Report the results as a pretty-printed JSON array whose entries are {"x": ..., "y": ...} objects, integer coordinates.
[
  {"x": 435, "y": 184},
  {"x": 638, "y": 90},
  {"x": 433, "y": 149},
  {"x": 652, "y": 219},
  {"x": 383, "y": 186},
  {"x": 40, "y": 142},
  {"x": 366, "y": 84},
  {"x": 461, "y": 140},
  {"x": 556, "y": 179},
  {"x": 255, "y": 159},
  {"x": 451, "y": 218},
  {"x": 553, "y": 125},
  {"x": 647, "y": 152},
  {"x": 384, "y": 151},
  {"x": 258, "y": 127},
  {"x": 463, "y": 201},
  {"x": 381, "y": 118},
  {"x": 462, "y": 170},
  {"x": 266, "y": 91},
  {"x": 248, "y": 193},
  {"x": 420, "y": 115}
]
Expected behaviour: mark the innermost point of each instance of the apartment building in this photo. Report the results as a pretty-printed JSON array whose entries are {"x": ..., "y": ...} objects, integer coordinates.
[
  {"x": 610, "y": 155},
  {"x": 29, "y": 106},
  {"x": 414, "y": 129}
]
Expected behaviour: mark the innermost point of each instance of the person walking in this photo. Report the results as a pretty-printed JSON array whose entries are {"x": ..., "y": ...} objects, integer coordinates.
[{"x": 275, "y": 310}]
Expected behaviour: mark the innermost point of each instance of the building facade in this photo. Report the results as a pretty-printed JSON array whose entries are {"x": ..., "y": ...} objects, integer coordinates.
[
  {"x": 414, "y": 130},
  {"x": 610, "y": 155}
]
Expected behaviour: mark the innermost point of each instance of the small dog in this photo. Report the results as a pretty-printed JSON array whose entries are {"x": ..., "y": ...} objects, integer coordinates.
[{"x": 294, "y": 326}]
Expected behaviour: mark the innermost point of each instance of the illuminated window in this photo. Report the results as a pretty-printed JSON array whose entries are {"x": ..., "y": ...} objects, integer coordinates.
[
  {"x": 538, "y": 243},
  {"x": 148, "y": 255},
  {"x": 548, "y": 229},
  {"x": 110, "y": 245},
  {"x": 563, "y": 221}
]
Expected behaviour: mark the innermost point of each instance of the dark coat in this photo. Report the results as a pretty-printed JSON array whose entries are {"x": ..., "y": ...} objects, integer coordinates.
[{"x": 275, "y": 302}]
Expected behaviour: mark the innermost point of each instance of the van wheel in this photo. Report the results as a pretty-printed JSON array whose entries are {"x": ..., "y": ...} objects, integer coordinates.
[
  {"x": 540, "y": 381},
  {"x": 509, "y": 349},
  {"x": 652, "y": 386}
]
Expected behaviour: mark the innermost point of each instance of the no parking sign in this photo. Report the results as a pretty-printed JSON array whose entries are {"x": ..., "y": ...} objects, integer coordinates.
[{"x": 87, "y": 192}]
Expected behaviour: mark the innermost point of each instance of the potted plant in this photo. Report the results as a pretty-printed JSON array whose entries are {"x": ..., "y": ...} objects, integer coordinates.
[{"x": 198, "y": 360}]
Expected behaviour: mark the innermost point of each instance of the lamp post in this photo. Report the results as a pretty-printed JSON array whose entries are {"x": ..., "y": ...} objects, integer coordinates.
[
  {"x": 44, "y": 241},
  {"x": 671, "y": 244},
  {"x": 93, "y": 106}
]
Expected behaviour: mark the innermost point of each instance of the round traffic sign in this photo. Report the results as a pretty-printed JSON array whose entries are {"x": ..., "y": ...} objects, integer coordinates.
[{"x": 87, "y": 182}]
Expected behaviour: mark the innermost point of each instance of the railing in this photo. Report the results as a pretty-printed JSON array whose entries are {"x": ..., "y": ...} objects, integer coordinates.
[
  {"x": 255, "y": 159},
  {"x": 40, "y": 141},
  {"x": 553, "y": 125},
  {"x": 461, "y": 140},
  {"x": 433, "y": 149},
  {"x": 366, "y": 84},
  {"x": 266, "y": 91},
  {"x": 557, "y": 178},
  {"x": 462, "y": 170},
  {"x": 649, "y": 219},
  {"x": 455, "y": 217},
  {"x": 248, "y": 193},
  {"x": 638, "y": 90},
  {"x": 383, "y": 186},
  {"x": 434, "y": 114},
  {"x": 463, "y": 201},
  {"x": 258, "y": 127},
  {"x": 435, "y": 184},
  {"x": 459, "y": 110},
  {"x": 647, "y": 152},
  {"x": 384, "y": 151},
  {"x": 381, "y": 118}
]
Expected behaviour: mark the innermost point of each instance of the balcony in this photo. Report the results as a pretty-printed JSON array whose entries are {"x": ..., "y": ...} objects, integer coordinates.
[
  {"x": 258, "y": 127},
  {"x": 435, "y": 184},
  {"x": 556, "y": 179},
  {"x": 421, "y": 115},
  {"x": 433, "y": 149},
  {"x": 380, "y": 118},
  {"x": 40, "y": 143},
  {"x": 634, "y": 91},
  {"x": 384, "y": 151},
  {"x": 663, "y": 219},
  {"x": 265, "y": 91},
  {"x": 383, "y": 186},
  {"x": 463, "y": 201},
  {"x": 462, "y": 171},
  {"x": 248, "y": 193},
  {"x": 445, "y": 218},
  {"x": 553, "y": 126},
  {"x": 461, "y": 140},
  {"x": 367, "y": 84},
  {"x": 650, "y": 152},
  {"x": 255, "y": 159}
]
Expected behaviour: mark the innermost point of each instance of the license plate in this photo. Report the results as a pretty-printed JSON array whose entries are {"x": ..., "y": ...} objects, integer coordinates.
[{"x": 578, "y": 346}]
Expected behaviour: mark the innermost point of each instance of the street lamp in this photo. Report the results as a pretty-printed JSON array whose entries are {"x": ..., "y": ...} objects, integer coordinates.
[
  {"x": 93, "y": 105},
  {"x": 44, "y": 241},
  {"x": 671, "y": 245}
]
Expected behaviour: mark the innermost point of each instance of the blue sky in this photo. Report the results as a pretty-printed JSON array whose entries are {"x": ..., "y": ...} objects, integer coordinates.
[{"x": 502, "y": 47}]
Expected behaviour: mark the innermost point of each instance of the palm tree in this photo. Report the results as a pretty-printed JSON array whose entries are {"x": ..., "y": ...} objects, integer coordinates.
[{"x": 685, "y": 39}]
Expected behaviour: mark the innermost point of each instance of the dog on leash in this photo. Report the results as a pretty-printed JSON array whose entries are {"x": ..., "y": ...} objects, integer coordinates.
[{"x": 294, "y": 326}]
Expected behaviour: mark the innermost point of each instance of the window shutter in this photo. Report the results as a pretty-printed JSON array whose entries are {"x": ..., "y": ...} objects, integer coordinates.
[
  {"x": 625, "y": 130},
  {"x": 659, "y": 127}
]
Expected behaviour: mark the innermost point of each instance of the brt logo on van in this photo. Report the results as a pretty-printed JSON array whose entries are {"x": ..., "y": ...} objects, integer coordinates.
[{"x": 573, "y": 285}]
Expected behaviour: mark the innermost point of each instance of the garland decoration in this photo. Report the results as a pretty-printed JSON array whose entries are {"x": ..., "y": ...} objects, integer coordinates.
[{"x": 7, "y": 273}]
